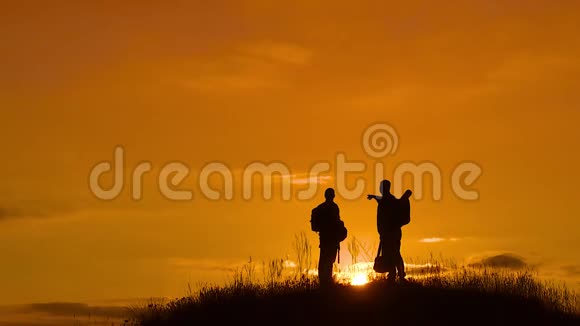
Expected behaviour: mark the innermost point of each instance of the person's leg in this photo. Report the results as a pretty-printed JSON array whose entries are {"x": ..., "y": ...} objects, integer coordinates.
[
  {"x": 389, "y": 252},
  {"x": 325, "y": 264},
  {"x": 400, "y": 267},
  {"x": 391, "y": 272},
  {"x": 320, "y": 264},
  {"x": 399, "y": 258}
]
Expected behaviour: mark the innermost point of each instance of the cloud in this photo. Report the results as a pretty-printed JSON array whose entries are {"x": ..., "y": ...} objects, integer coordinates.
[
  {"x": 62, "y": 313},
  {"x": 571, "y": 270},
  {"x": 305, "y": 179},
  {"x": 293, "y": 178},
  {"x": 233, "y": 81},
  {"x": 11, "y": 212},
  {"x": 250, "y": 67},
  {"x": 32, "y": 208},
  {"x": 279, "y": 52},
  {"x": 436, "y": 240},
  {"x": 5, "y": 213},
  {"x": 229, "y": 266},
  {"x": 526, "y": 68},
  {"x": 501, "y": 260},
  {"x": 201, "y": 265},
  {"x": 67, "y": 309}
]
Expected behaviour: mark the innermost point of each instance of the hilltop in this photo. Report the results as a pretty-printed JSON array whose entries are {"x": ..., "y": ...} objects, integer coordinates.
[{"x": 468, "y": 297}]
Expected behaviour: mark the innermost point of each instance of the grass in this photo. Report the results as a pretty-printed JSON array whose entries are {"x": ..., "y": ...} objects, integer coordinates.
[
  {"x": 472, "y": 297},
  {"x": 437, "y": 293}
]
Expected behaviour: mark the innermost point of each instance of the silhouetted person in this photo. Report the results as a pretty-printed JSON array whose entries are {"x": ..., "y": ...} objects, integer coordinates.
[
  {"x": 389, "y": 228},
  {"x": 324, "y": 220}
]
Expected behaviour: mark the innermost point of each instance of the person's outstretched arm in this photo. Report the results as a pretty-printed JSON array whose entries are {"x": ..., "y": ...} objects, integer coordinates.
[{"x": 375, "y": 197}]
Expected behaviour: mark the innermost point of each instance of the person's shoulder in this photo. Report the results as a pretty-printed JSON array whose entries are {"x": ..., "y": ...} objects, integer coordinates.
[
  {"x": 323, "y": 205},
  {"x": 385, "y": 198}
]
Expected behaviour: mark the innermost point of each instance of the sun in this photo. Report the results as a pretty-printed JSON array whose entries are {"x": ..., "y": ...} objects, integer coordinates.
[{"x": 359, "y": 279}]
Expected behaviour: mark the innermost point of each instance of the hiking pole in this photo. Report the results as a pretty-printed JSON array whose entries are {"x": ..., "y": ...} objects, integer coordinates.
[{"x": 339, "y": 254}]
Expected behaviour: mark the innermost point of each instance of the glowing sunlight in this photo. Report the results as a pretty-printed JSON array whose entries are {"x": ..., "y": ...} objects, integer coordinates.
[{"x": 359, "y": 279}]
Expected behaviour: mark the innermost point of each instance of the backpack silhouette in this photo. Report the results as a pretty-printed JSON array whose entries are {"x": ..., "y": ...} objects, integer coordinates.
[
  {"x": 318, "y": 224},
  {"x": 315, "y": 216},
  {"x": 405, "y": 208},
  {"x": 341, "y": 232}
]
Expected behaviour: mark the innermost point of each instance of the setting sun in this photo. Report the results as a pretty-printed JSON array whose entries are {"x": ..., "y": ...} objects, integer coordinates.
[{"x": 359, "y": 279}]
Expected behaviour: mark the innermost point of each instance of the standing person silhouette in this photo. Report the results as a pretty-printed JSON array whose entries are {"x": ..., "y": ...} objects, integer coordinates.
[
  {"x": 389, "y": 228},
  {"x": 324, "y": 220}
]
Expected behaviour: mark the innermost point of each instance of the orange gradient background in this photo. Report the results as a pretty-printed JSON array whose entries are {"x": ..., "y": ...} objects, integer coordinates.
[{"x": 486, "y": 81}]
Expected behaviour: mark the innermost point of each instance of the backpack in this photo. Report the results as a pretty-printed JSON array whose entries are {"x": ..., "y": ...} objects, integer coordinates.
[
  {"x": 315, "y": 219},
  {"x": 405, "y": 208},
  {"x": 339, "y": 231}
]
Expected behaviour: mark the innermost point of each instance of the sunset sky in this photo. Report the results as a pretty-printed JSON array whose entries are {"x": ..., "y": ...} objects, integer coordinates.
[{"x": 490, "y": 82}]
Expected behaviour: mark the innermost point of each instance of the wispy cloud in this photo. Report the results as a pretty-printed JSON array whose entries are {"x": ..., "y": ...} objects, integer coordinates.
[
  {"x": 436, "y": 240},
  {"x": 5, "y": 213},
  {"x": 527, "y": 67},
  {"x": 67, "y": 309},
  {"x": 32, "y": 208},
  {"x": 279, "y": 52},
  {"x": 201, "y": 264},
  {"x": 61, "y": 313},
  {"x": 305, "y": 179},
  {"x": 498, "y": 260},
  {"x": 571, "y": 270},
  {"x": 297, "y": 179},
  {"x": 250, "y": 67}
]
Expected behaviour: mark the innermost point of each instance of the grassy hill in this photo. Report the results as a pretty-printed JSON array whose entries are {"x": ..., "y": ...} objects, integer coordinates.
[{"x": 466, "y": 297}]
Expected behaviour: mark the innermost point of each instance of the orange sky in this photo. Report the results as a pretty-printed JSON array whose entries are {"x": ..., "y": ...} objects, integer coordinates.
[{"x": 488, "y": 82}]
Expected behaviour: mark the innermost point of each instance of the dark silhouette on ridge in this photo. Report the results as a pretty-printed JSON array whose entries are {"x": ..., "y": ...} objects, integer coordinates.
[
  {"x": 325, "y": 220},
  {"x": 392, "y": 214}
]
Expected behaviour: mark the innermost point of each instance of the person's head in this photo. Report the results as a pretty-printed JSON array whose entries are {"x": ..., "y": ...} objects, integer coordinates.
[
  {"x": 329, "y": 194},
  {"x": 385, "y": 187}
]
